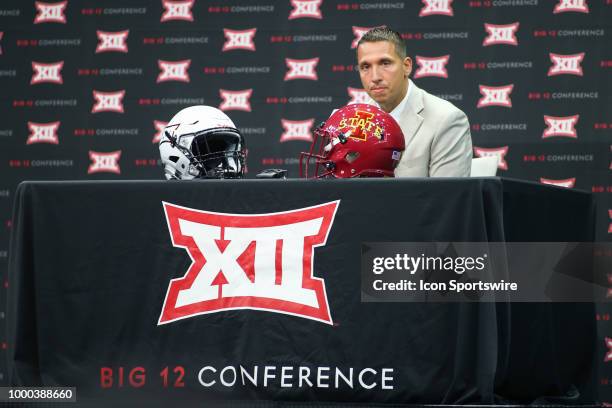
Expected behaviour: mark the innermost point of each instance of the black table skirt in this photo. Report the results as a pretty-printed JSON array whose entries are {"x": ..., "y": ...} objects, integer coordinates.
[{"x": 90, "y": 264}]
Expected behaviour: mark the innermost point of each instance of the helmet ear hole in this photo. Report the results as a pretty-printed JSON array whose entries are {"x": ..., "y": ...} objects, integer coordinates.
[
  {"x": 351, "y": 156},
  {"x": 173, "y": 159}
]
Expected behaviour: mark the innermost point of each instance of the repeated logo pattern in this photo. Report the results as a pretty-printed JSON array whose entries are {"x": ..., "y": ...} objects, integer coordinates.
[{"x": 149, "y": 62}]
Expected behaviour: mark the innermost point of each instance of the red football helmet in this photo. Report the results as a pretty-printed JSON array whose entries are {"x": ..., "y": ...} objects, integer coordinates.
[{"x": 357, "y": 140}]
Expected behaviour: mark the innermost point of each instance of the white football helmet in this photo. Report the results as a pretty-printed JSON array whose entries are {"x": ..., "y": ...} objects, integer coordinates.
[{"x": 202, "y": 142}]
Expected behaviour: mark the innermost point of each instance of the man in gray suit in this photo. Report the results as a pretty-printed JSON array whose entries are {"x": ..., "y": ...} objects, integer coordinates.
[{"x": 438, "y": 140}]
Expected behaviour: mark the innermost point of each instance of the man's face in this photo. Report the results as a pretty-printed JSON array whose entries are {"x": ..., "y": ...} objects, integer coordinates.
[{"x": 383, "y": 73}]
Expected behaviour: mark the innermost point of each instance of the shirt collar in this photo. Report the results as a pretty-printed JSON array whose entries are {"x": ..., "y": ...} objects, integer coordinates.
[{"x": 397, "y": 111}]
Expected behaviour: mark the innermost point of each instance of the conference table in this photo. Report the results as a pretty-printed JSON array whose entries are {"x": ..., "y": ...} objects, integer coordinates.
[{"x": 186, "y": 292}]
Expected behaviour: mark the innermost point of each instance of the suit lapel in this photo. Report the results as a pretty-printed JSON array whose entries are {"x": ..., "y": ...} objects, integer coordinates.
[{"x": 411, "y": 119}]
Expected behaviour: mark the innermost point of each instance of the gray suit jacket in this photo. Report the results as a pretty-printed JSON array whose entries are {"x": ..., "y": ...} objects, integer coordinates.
[{"x": 438, "y": 140}]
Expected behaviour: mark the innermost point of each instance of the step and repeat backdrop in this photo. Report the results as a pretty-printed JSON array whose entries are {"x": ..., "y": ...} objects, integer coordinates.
[{"x": 86, "y": 86}]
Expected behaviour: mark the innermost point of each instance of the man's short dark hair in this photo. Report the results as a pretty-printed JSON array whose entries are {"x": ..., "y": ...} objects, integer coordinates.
[{"x": 384, "y": 33}]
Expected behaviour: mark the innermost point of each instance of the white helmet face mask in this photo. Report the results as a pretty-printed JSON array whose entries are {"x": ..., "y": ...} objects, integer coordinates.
[{"x": 202, "y": 142}]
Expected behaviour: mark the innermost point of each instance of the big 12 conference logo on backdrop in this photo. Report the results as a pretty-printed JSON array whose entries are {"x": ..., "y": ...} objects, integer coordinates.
[
  {"x": 301, "y": 69},
  {"x": 431, "y": 67},
  {"x": 357, "y": 95},
  {"x": 576, "y": 6},
  {"x": 249, "y": 261},
  {"x": 495, "y": 96},
  {"x": 49, "y": 73},
  {"x": 50, "y": 12},
  {"x": 560, "y": 126},
  {"x": 501, "y": 34},
  {"x": 236, "y": 100},
  {"x": 177, "y": 10},
  {"x": 297, "y": 130},
  {"x": 173, "y": 71},
  {"x": 498, "y": 152},
  {"x": 239, "y": 39},
  {"x": 104, "y": 162},
  {"x": 566, "y": 64},
  {"x": 112, "y": 41},
  {"x": 436, "y": 7},
  {"x": 306, "y": 9},
  {"x": 108, "y": 101},
  {"x": 43, "y": 132}
]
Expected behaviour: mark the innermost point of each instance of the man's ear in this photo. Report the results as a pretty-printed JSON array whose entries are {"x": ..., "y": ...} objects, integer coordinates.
[{"x": 407, "y": 67}]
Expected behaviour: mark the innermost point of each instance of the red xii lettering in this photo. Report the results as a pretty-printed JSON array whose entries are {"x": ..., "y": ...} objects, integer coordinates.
[{"x": 254, "y": 261}]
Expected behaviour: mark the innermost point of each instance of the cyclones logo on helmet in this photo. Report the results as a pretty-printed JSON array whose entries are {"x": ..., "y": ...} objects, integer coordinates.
[{"x": 357, "y": 140}]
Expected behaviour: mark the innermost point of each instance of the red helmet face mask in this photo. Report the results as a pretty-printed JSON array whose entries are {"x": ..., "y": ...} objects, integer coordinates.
[{"x": 356, "y": 141}]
